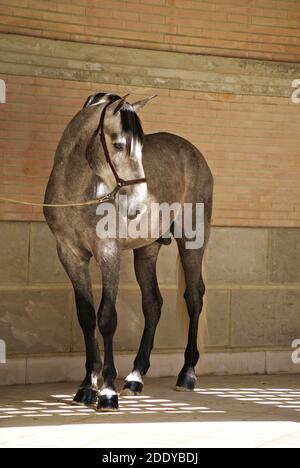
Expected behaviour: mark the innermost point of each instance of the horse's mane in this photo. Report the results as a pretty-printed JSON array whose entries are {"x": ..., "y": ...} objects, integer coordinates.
[{"x": 131, "y": 126}]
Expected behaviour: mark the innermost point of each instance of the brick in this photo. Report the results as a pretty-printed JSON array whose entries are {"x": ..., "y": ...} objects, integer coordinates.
[
  {"x": 14, "y": 241},
  {"x": 170, "y": 331},
  {"x": 237, "y": 256},
  {"x": 261, "y": 25},
  {"x": 279, "y": 362},
  {"x": 264, "y": 318},
  {"x": 45, "y": 266},
  {"x": 244, "y": 363},
  {"x": 55, "y": 369},
  {"x": 214, "y": 321},
  {"x": 13, "y": 372},
  {"x": 167, "y": 264},
  {"x": 35, "y": 321},
  {"x": 127, "y": 274},
  {"x": 285, "y": 256}
]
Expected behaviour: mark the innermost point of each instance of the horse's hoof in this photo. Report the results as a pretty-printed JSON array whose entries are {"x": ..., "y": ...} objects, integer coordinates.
[
  {"x": 132, "y": 388},
  {"x": 108, "y": 403},
  {"x": 86, "y": 397},
  {"x": 186, "y": 383}
]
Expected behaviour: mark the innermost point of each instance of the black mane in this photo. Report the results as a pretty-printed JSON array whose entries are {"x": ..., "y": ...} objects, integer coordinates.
[
  {"x": 131, "y": 126},
  {"x": 94, "y": 99}
]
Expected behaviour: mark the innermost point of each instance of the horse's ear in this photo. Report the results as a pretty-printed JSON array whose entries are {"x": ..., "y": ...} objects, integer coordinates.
[
  {"x": 88, "y": 101},
  {"x": 140, "y": 104},
  {"x": 121, "y": 104}
]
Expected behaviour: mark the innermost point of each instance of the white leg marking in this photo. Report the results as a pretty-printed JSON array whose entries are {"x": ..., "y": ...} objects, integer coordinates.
[
  {"x": 135, "y": 376},
  {"x": 108, "y": 392}
]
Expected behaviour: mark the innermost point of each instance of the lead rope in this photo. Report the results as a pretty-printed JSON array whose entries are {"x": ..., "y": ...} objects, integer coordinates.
[{"x": 110, "y": 196}]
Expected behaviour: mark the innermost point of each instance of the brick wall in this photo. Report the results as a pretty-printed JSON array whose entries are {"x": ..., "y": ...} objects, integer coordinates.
[
  {"x": 263, "y": 29},
  {"x": 239, "y": 113},
  {"x": 223, "y": 72},
  {"x": 252, "y": 145}
]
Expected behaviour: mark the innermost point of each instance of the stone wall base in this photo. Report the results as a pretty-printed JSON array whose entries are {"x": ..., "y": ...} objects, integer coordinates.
[{"x": 69, "y": 368}]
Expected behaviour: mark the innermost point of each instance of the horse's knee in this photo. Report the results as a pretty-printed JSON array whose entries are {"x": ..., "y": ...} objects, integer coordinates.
[
  {"x": 107, "y": 320},
  {"x": 157, "y": 314},
  {"x": 88, "y": 324},
  {"x": 194, "y": 298},
  {"x": 202, "y": 288},
  {"x": 159, "y": 301}
]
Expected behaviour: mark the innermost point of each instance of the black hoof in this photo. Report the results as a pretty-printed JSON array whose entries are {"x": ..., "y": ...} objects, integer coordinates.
[
  {"x": 108, "y": 403},
  {"x": 186, "y": 383},
  {"x": 86, "y": 397},
  {"x": 132, "y": 388}
]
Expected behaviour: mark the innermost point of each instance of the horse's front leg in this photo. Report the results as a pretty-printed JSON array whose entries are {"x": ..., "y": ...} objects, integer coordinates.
[
  {"x": 77, "y": 268},
  {"x": 109, "y": 261}
]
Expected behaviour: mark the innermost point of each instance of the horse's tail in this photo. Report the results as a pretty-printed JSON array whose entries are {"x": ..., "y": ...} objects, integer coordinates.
[{"x": 182, "y": 312}]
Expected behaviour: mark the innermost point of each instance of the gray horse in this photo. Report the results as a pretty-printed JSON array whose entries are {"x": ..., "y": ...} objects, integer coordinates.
[{"x": 103, "y": 145}]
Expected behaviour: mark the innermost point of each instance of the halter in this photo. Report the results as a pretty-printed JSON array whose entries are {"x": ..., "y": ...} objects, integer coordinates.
[{"x": 120, "y": 182}]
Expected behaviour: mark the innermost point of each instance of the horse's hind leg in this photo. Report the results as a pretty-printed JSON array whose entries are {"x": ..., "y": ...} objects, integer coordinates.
[
  {"x": 77, "y": 269},
  {"x": 195, "y": 290},
  {"x": 145, "y": 268}
]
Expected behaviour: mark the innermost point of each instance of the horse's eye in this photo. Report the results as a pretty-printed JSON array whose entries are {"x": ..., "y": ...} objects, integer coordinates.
[{"x": 119, "y": 146}]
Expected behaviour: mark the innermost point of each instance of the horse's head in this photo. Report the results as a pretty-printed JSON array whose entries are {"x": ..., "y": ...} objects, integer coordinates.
[{"x": 120, "y": 130}]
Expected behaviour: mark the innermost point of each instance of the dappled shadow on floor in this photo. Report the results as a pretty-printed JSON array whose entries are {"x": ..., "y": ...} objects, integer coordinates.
[{"x": 257, "y": 398}]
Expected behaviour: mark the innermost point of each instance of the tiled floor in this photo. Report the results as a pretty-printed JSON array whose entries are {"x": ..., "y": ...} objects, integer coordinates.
[{"x": 223, "y": 412}]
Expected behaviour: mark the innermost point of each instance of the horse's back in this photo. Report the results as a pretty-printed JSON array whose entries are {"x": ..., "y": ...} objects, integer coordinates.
[{"x": 171, "y": 157}]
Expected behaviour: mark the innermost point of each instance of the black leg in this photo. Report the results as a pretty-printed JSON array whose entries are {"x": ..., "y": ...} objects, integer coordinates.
[
  {"x": 77, "y": 268},
  {"x": 145, "y": 268},
  {"x": 195, "y": 290},
  {"x": 107, "y": 321}
]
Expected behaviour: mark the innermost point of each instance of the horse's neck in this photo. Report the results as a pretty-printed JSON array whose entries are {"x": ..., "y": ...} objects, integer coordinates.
[{"x": 72, "y": 175}]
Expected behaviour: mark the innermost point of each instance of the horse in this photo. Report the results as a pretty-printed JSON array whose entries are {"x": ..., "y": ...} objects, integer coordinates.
[{"x": 104, "y": 145}]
